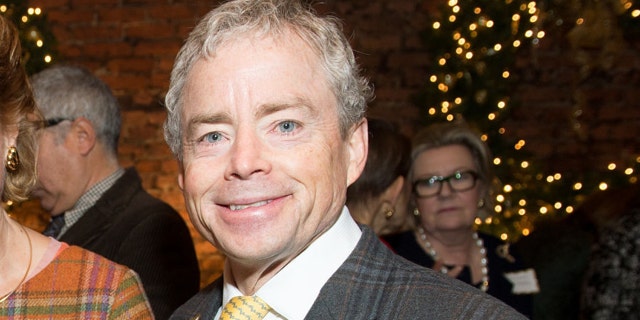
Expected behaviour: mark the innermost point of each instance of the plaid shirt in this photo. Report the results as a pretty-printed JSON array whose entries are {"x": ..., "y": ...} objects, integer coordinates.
[
  {"x": 89, "y": 199},
  {"x": 79, "y": 284}
]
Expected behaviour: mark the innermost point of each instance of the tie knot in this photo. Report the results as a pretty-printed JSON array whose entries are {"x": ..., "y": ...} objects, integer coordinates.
[{"x": 246, "y": 308}]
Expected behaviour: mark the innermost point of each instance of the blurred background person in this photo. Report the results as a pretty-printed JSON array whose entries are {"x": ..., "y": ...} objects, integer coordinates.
[
  {"x": 94, "y": 202},
  {"x": 41, "y": 277},
  {"x": 560, "y": 251},
  {"x": 451, "y": 180},
  {"x": 612, "y": 279},
  {"x": 378, "y": 197}
]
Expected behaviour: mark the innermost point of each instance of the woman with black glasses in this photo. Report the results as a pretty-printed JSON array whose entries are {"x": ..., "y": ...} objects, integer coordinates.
[{"x": 450, "y": 180}]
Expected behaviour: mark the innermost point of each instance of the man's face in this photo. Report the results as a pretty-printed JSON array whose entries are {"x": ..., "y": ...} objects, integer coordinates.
[
  {"x": 265, "y": 168},
  {"x": 60, "y": 181}
]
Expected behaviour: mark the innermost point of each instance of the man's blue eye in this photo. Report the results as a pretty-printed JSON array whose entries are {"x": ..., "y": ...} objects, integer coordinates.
[
  {"x": 212, "y": 137},
  {"x": 287, "y": 126}
]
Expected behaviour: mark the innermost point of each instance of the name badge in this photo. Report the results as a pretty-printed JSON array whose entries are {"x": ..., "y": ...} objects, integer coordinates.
[{"x": 524, "y": 282}]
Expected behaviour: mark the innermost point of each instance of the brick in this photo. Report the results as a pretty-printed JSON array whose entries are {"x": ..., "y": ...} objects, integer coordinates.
[
  {"x": 148, "y": 30},
  {"x": 166, "y": 48},
  {"x": 122, "y": 14}
]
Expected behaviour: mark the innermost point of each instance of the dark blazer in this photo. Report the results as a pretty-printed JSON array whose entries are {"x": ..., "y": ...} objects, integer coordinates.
[
  {"x": 130, "y": 227},
  {"x": 374, "y": 283},
  {"x": 406, "y": 245}
]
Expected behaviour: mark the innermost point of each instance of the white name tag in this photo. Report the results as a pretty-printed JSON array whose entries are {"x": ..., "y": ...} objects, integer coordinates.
[{"x": 524, "y": 282}]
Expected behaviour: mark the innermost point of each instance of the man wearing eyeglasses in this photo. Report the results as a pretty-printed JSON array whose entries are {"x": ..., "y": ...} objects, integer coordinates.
[{"x": 94, "y": 202}]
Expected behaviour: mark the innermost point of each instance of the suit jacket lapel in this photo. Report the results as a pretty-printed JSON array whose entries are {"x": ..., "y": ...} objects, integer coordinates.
[{"x": 345, "y": 292}]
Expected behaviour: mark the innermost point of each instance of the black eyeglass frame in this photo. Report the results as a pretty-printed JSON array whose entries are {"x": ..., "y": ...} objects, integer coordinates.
[
  {"x": 55, "y": 121},
  {"x": 456, "y": 175}
]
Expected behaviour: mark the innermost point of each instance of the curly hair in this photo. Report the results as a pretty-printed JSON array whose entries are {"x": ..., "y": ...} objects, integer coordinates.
[{"x": 18, "y": 113}]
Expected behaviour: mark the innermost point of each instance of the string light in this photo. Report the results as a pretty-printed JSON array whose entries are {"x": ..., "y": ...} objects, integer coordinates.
[
  {"x": 36, "y": 40},
  {"x": 475, "y": 49}
]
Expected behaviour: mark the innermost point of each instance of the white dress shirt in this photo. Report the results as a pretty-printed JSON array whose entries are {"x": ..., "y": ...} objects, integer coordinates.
[{"x": 301, "y": 280}]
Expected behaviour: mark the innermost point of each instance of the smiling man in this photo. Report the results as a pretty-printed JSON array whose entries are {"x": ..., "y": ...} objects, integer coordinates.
[{"x": 266, "y": 118}]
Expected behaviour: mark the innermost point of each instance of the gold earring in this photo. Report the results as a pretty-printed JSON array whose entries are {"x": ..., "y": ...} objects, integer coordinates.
[
  {"x": 13, "y": 161},
  {"x": 388, "y": 213},
  {"x": 416, "y": 212},
  {"x": 480, "y": 203}
]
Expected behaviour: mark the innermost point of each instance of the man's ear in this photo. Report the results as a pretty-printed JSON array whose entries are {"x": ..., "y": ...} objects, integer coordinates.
[
  {"x": 180, "y": 176},
  {"x": 84, "y": 135},
  {"x": 358, "y": 149}
]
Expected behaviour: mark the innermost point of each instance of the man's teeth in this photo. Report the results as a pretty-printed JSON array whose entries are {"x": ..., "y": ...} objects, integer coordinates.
[{"x": 235, "y": 207}]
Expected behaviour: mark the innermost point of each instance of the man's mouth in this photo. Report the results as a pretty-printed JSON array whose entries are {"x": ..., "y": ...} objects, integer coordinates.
[{"x": 236, "y": 207}]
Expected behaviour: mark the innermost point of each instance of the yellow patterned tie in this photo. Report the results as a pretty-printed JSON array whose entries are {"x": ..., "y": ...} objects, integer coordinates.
[{"x": 245, "y": 308}]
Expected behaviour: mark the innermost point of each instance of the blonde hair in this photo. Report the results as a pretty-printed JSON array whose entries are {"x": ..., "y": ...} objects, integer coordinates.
[{"x": 18, "y": 112}]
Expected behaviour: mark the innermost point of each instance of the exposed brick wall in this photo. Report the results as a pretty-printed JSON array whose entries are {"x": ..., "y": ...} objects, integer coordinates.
[{"x": 131, "y": 45}]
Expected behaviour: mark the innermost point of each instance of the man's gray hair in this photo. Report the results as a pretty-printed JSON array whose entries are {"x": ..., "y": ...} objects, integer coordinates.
[{"x": 270, "y": 18}]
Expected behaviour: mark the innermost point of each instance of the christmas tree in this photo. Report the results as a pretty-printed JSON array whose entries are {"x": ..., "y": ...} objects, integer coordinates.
[
  {"x": 474, "y": 45},
  {"x": 37, "y": 41}
]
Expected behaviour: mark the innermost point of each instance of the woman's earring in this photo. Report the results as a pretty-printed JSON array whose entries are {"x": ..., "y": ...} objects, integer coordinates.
[
  {"x": 389, "y": 213},
  {"x": 13, "y": 161},
  {"x": 416, "y": 212},
  {"x": 480, "y": 203}
]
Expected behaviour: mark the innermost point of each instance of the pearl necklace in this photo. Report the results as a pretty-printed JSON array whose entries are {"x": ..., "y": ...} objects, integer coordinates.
[
  {"x": 3, "y": 298},
  {"x": 483, "y": 257}
]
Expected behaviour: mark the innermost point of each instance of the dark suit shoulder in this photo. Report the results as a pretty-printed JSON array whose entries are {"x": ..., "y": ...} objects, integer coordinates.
[
  {"x": 374, "y": 283},
  {"x": 203, "y": 305}
]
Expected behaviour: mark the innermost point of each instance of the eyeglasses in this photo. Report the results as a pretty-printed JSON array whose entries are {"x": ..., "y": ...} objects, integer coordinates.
[
  {"x": 458, "y": 181},
  {"x": 55, "y": 121}
]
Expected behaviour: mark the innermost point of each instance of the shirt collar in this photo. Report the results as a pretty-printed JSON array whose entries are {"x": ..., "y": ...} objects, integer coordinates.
[{"x": 321, "y": 260}]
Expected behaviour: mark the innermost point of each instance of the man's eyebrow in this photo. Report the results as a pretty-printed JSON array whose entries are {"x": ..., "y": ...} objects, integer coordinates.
[
  {"x": 298, "y": 104},
  {"x": 199, "y": 119}
]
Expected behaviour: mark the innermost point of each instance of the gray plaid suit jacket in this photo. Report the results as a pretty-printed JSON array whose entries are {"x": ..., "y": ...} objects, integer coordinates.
[{"x": 374, "y": 283}]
